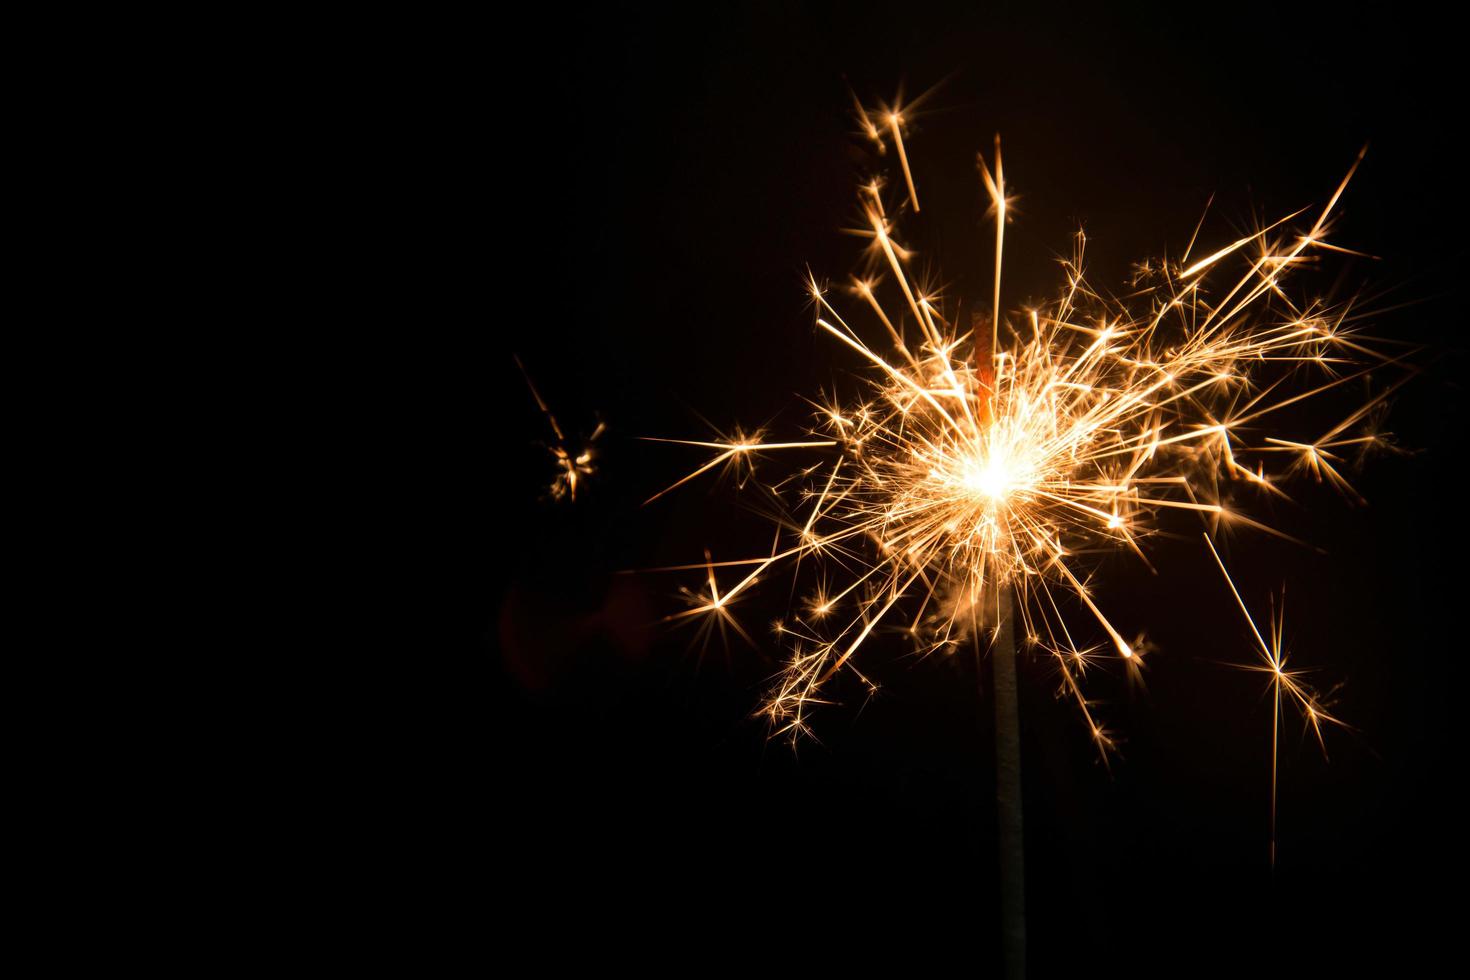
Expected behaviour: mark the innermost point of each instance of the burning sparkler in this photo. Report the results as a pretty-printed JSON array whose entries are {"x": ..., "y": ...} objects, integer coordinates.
[{"x": 983, "y": 462}]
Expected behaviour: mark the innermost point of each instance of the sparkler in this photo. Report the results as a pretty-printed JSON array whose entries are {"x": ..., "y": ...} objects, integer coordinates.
[{"x": 978, "y": 467}]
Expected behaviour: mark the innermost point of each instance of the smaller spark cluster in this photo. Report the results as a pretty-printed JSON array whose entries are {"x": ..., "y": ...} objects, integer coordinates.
[{"x": 574, "y": 464}]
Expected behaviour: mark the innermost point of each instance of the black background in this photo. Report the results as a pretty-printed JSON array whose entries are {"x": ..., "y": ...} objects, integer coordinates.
[{"x": 657, "y": 185}]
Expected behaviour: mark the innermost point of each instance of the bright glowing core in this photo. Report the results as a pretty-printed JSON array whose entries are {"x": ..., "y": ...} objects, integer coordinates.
[{"x": 990, "y": 478}]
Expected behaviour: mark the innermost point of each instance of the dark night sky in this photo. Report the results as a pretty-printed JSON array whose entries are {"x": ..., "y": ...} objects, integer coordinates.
[{"x": 657, "y": 185}]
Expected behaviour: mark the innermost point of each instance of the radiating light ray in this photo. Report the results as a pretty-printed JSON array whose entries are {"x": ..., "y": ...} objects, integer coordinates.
[
  {"x": 895, "y": 126},
  {"x": 731, "y": 452},
  {"x": 996, "y": 186},
  {"x": 891, "y": 119}
]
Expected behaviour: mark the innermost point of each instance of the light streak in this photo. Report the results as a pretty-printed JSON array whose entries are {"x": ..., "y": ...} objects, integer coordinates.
[{"x": 1273, "y": 662}]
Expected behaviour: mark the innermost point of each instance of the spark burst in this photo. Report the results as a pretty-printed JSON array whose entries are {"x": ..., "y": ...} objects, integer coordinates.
[{"x": 989, "y": 459}]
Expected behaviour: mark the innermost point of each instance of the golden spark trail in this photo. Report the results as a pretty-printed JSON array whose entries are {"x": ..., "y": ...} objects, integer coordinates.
[
  {"x": 894, "y": 121},
  {"x": 997, "y": 189}
]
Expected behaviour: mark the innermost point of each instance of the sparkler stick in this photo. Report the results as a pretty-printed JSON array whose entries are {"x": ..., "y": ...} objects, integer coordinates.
[{"x": 1008, "y": 797}]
